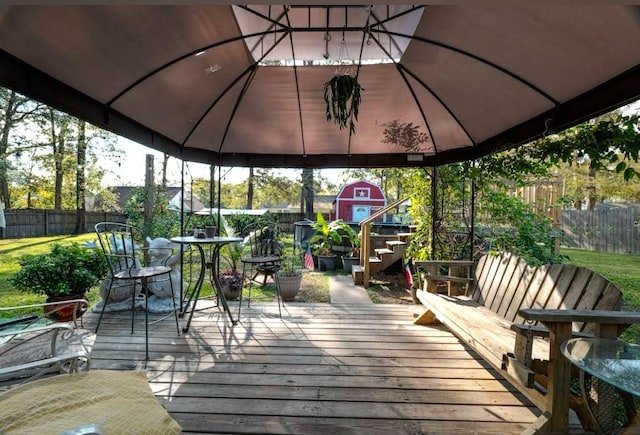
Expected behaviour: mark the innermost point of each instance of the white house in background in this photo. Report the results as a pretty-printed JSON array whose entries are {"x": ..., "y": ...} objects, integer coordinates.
[{"x": 124, "y": 193}]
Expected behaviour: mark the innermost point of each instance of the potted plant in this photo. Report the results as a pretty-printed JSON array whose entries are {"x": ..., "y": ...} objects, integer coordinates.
[
  {"x": 327, "y": 234},
  {"x": 289, "y": 276},
  {"x": 66, "y": 272},
  {"x": 342, "y": 97},
  {"x": 231, "y": 280},
  {"x": 353, "y": 256}
]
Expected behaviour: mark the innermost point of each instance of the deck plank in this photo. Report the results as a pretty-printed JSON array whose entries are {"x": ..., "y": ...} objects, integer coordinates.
[{"x": 322, "y": 369}]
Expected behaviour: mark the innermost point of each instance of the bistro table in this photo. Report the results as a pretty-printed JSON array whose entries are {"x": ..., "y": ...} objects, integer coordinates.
[
  {"x": 217, "y": 243},
  {"x": 614, "y": 363}
]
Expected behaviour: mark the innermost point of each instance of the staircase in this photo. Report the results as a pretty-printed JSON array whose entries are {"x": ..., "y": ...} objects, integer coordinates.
[
  {"x": 372, "y": 260},
  {"x": 392, "y": 249}
]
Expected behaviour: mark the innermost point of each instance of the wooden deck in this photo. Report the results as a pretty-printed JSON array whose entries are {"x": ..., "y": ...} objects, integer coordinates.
[{"x": 323, "y": 368}]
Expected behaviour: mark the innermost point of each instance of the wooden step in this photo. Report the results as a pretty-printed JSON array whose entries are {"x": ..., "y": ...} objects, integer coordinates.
[
  {"x": 375, "y": 265},
  {"x": 357, "y": 273},
  {"x": 382, "y": 251},
  {"x": 395, "y": 243}
]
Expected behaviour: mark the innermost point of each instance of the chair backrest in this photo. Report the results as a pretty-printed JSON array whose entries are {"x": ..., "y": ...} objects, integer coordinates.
[
  {"x": 263, "y": 239},
  {"x": 118, "y": 244}
]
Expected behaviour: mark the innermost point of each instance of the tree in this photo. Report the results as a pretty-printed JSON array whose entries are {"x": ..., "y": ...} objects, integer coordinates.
[
  {"x": 81, "y": 206},
  {"x": 58, "y": 126},
  {"x": 15, "y": 110},
  {"x": 307, "y": 193},
  {"x": 250, "y": 186}
]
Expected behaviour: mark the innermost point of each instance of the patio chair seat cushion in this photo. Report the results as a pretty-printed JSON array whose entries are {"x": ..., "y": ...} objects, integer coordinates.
[{"x": 115, "y": 401}]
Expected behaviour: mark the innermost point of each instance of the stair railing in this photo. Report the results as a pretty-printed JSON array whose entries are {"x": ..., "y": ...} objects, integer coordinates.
[{"x": 365, "y": 238}]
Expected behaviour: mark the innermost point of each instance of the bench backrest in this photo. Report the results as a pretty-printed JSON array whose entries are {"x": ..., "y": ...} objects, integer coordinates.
[{"x": 506, "y": 283}]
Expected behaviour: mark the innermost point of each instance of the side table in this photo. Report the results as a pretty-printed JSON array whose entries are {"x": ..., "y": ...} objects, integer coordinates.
[
  {"x": 217, "y": 243},
  {"x": 616, "y": 365}
]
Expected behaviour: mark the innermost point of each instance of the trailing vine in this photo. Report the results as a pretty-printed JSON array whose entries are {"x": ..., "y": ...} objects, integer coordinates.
[{"x": 342, "y": 95}]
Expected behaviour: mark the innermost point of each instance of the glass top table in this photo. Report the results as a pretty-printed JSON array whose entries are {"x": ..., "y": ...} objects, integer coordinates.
[
  {"x": 613, "y": 361},
  {"x": 213, "y": 264}
]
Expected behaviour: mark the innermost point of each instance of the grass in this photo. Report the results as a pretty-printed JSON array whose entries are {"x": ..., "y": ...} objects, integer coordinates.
[
  {"x": 315, "y": 286},
  {"x": 10, "y": 252},
  {"x": 621, "y": 269}
]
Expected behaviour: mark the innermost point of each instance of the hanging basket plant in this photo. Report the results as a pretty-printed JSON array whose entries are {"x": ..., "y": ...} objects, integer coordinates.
[{"x": 342, "y": 95}]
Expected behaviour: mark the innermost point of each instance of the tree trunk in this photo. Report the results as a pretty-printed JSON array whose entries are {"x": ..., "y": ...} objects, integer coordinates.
[
  {"x": 307, "y": 193},
  {"x": 591, "y": 190},
  {"x": 149, "y": 194},
  {"x": 9, "y": 112},
  {"x": 81, "y": 208},
  {"x": 250, "y": 190},
  {"x": 165, "y": 161},
  {"x": 58, "y": 144}
]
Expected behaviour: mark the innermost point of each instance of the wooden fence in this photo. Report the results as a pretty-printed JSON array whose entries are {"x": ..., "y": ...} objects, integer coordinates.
[
  {"x": 614, "y": 230},
  {"x": 37, "y": 222}
]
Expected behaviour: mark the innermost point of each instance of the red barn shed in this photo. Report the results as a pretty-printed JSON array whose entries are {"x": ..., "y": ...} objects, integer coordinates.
[{"x": 357, "y": 201}]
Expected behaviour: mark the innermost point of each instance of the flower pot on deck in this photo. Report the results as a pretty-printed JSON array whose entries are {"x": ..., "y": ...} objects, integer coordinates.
[
  {"x": 327, "y": 262},
  {"x": 348, "y": 262},
  {"x": 65, "y": 312},
  {"x": 288, "y": 286}
]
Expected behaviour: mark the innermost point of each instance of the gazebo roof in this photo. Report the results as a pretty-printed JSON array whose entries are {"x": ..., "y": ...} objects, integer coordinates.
[{"x": 243, "y": 85}]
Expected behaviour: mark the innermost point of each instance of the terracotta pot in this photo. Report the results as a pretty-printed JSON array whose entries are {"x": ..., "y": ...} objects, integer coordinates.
[
  {"x": 288, "y": 286},
  {"x": 64, "y": 312}
]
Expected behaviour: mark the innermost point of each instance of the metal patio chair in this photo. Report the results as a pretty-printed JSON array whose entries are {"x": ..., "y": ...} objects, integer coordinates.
[
  {"x": 129, "y": 262},
  {"x": 265, "y": 251},
  {"x": 32, "y": 345}
]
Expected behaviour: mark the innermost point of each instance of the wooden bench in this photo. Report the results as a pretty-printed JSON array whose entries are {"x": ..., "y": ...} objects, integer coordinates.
[{"x": 516, "y": 317}]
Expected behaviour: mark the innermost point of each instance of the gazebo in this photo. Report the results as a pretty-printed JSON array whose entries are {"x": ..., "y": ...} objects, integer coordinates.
[{"x": 242, "y": 85}]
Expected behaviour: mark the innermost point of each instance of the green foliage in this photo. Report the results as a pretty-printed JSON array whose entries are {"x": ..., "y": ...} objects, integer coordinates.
[
  {"x": 290, "y": 263},
  {"x": 607, "y": 143},
  {"x": 240, "y": 223},
  {"x": 513, "y": 226},
  {"x": 164, "y": 223},
  {"x": 66, "y": 270},
  {"x": 231, "y": 253},
  {"x": 327, "y": 234},
  {"x": 342, "y": 97}
]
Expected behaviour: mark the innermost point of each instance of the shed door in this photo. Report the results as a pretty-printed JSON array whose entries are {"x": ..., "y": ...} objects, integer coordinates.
[{"x": 360, "y": 212}]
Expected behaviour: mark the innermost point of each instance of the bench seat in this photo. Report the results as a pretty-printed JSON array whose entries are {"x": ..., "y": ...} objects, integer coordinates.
[{"x": 516, "y": 317}]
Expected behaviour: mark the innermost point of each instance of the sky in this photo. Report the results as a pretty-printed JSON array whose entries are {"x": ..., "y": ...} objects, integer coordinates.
[{"x": 131, "y": 172}]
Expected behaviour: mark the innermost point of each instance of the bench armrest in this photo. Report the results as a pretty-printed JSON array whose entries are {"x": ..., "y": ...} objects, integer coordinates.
[
  {"x": 608, "y": 324},
  {"x": 591, "y": 316}
]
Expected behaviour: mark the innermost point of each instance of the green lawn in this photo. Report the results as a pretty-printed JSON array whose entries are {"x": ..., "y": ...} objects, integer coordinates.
[
  {"x": 315, "y": 286},
  {"x": 621, "y": 269},
  {"x": 12, "y": 249}
]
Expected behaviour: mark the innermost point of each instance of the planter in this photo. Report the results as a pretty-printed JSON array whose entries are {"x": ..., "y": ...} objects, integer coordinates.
[
  {"x": 231, "y": 287},
  {"x": 327, "y": 262},
  {"x": 288, "y": 286},
  {"x": 211, "y": 231},
  {"x": 348, "y": 262},
  {"x": 64, "y": 312}
]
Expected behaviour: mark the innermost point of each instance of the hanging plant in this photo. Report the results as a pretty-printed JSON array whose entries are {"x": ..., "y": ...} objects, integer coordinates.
[{"x": 342, "y": 95}]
